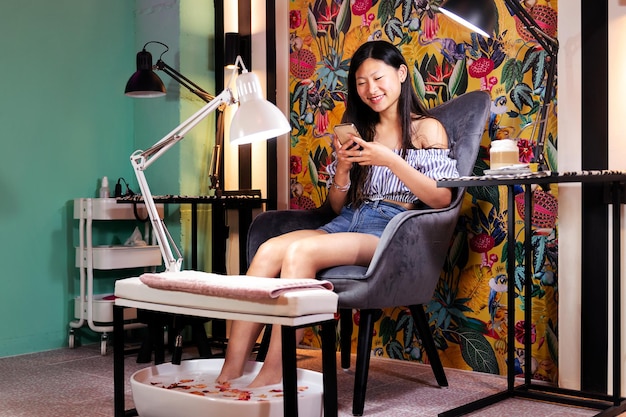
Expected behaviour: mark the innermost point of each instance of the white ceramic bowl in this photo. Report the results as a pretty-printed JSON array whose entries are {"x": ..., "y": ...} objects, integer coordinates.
[{"x": 189, "y": 390}]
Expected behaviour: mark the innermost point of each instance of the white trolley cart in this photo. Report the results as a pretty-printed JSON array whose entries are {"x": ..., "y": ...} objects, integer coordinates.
[{"x": 96, "y": 310}]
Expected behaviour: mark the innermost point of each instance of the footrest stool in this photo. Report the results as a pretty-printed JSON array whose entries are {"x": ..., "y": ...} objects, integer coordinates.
[{"x": 290, "y": 309}]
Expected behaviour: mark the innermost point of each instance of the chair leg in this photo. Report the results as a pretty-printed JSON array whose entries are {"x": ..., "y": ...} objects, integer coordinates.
[
  {"x": 153, "y": 339},
  {"x": 363, "y": 349},
  {"x": 345, "y": 336},
  {"x": 200, "y": 338},
  {"x": 421, "y": 322},
  {"x": 265, "y": 343}
]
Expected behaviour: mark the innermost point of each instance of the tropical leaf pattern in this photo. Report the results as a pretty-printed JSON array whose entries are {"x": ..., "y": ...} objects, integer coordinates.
[{"x": 468, "y": 312}]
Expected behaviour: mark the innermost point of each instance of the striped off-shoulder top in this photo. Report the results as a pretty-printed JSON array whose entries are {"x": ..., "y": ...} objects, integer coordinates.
[{"x": 382, "y": 184}]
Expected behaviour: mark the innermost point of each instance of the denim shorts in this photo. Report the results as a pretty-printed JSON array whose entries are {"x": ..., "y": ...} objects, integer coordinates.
[{"x": 370, "y": 218}]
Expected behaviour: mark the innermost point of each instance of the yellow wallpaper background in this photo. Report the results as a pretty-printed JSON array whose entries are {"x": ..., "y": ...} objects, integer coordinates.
[{"x": 468, "y": 311}]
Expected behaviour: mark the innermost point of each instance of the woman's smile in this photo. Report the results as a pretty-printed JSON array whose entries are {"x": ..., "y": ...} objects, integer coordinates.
[{"x": 377, "y": 98}]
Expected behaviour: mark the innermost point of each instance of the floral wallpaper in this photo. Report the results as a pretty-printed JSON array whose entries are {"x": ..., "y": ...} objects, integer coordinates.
[{"x": 468, "y": 313}]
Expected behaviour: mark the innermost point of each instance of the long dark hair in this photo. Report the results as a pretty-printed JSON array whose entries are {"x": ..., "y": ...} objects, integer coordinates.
[{"x": 365, "y": 119}]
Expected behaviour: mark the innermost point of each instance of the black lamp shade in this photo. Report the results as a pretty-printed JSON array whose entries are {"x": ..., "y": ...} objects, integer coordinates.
[
  {"x": 144, "y": 82},
  {"x": 478, "y": 15}
]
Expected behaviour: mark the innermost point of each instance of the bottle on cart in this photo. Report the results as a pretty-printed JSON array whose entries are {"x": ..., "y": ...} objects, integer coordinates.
[{"x": 104, "y": 188}]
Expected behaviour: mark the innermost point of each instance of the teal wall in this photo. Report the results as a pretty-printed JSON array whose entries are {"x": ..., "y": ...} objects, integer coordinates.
[
  {"x": 188, "y": 30},
  {"x": 64, "y": 124},
  {"x": 196, "y": 62}
]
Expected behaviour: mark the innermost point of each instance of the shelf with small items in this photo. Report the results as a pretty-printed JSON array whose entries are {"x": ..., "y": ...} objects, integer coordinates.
[{"x": 96, "y": 310}]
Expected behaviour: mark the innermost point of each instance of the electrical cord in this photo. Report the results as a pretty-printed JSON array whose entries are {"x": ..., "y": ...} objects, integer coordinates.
[{"x": 118, "y": 189}]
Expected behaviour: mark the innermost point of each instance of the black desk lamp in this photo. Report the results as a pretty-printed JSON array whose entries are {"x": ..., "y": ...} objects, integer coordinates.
[
  {"x": 480, "y": 16},
  {"x": 145, "y": 83}
]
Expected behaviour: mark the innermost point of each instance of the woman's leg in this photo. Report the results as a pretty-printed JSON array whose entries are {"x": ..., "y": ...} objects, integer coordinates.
[
  {"x": 305, "y": 257},
  {"x": 243, "y": 335},
  {"x": 302, "y": 259},
  {"x": 272, "y": 370}
]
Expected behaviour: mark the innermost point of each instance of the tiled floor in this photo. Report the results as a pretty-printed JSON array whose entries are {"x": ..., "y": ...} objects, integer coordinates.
[{"x": 79, "y": 382}]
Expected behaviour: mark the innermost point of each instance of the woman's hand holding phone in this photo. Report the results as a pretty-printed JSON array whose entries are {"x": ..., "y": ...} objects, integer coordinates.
[
  {"x": 345, "y": 132},
  {"x": 349, "y": 145}
]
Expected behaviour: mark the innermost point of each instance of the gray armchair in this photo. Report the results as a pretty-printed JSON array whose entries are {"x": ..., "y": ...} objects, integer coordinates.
[{"x": 410, "y": 255}]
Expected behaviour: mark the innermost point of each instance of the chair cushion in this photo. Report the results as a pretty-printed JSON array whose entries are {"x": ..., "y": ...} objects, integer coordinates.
[{"x": 343, "y": 272}]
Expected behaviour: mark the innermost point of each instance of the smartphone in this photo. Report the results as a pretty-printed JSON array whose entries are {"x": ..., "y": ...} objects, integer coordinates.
[{"x": 343, "y": 130}]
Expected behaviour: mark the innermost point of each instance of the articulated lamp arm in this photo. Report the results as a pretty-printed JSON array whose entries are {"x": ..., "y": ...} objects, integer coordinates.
[
  {"x": 184, "y": 81},
  {"x": 141, "y": 160},
  {"x": 547, "y": 42}
]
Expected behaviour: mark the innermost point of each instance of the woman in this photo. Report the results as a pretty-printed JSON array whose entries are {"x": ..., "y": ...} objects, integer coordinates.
[{"x": 392, "y": 166}]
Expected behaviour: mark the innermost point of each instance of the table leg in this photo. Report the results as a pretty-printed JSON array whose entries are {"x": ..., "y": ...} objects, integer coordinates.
[
  {"x": 118, "y": 361},
  {"x": 219, "y": 237},
  {"x": 510, "y": 268},
  {"x": 510, "y": 271},
  {"x": 528, "y": 283},
  {"x": 329, "y": 368},
  {"x": 616, "y": 193},
  {"x": 245, "y": 219},
  {"x": 290, "y": 377},
  {"x": 194, "y": 236}
]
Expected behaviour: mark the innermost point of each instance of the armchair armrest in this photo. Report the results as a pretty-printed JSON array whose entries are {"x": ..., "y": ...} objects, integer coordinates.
[
  {"x": 405, "y": 232},
  {"x": 410, "y": 255}
]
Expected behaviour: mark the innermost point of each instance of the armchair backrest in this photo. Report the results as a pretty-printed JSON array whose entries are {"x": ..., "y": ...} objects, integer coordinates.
[{"x": 464, "y": 118}]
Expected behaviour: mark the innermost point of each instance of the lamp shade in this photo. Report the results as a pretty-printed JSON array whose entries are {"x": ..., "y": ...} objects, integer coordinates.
[
  {"x": 477, "y": 15},
  {"x": 144, "y": 82},
  {"x": 256, "y": 118}
]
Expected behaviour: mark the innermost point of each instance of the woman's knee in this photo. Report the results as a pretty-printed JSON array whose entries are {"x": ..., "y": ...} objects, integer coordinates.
[
  {"x": 299, "y": 256},
  {"x": 265, "y": 250},
  {"x": 291, "y": 251},
  {"x": 267, "y": 258}
]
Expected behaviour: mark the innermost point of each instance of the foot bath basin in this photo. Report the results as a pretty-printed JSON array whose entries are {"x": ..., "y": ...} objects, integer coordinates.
[{"x": 189, "y": 390}]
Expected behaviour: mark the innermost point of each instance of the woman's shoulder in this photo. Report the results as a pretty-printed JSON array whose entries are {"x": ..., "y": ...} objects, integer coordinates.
[{"x": 429, "y": 133}]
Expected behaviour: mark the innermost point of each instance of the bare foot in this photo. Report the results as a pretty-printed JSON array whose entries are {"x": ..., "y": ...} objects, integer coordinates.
[
  {"x": 227, "y": 375},
  {"x": 267, "y": 377}
]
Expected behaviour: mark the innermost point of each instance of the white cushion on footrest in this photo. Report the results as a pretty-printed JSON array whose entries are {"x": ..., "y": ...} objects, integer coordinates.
[{"x": 289, "y": 304}]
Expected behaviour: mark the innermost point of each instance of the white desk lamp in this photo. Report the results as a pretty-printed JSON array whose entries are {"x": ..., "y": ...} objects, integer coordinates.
[{"x": 256, "y": 119}]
